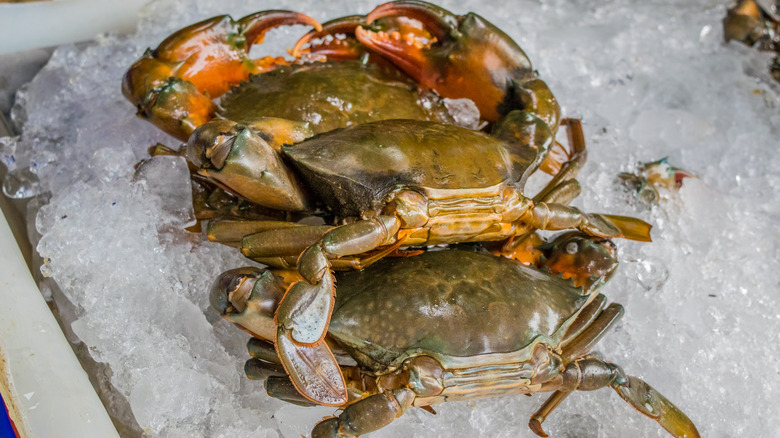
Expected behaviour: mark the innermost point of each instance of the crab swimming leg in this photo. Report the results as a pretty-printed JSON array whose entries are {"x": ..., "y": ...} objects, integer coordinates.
[
  {"x": 173, "y": 85},
  {"x": 583, "y": 373},
  {"x": 552, "y": 216},
  {"x": 588, "y": 374}
]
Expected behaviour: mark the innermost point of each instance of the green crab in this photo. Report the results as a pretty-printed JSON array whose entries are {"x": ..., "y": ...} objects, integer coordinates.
[
  {"x": 174, "y": 85},
  {"x": 446, "y": 325},
  {"x": 389, "y": 183},
  {"x": 204, "y": 72}
]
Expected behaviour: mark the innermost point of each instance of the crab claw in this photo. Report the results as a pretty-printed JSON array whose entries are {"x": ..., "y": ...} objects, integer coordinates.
[
  {"x": 661, "y": 173},
  {"x": 468, "y": 58},
  {"x": 328, "y": 41},
  {"x": 248, "y": 297},
  {"x": 239, "y": 160},
  {"x": 650, "y": 402},
  {"x": 173, "y": 85},
  {"x": 313, "y": 370}
]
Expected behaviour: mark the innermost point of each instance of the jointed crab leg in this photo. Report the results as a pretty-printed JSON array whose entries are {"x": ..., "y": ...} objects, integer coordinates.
[
  {"x": 173, "y": 85},
  {"x": 305, "y": 310},
  {"x": 587, "y": 374},
  {"x": 569, "y": 169},
  {"x": 366, "y": 415}
]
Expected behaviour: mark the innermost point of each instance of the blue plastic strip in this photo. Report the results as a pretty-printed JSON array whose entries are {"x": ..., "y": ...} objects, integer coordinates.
[{"x": 6, "y": 429}]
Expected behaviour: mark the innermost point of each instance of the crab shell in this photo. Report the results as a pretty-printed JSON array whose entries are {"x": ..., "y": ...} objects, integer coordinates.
[
  {"x": 436, "y": 304},
  {"x": 355, "y": 170},
  {"x": 332, "y": 95}
]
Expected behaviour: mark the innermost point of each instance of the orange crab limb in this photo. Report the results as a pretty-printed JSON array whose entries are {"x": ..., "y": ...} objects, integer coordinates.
[
  {"x": 468, "y": 58},
  {"x": 334, "y": 47},
  {"x": 329, "y": 43},
  {"x": 173, "y": 85}
]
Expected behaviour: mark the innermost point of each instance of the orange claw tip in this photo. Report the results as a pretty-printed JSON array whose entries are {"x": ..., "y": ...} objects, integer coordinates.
[
  {"x": 410, "y": 59},
  {"x": 259, "y": 23},
  {"x": 438, "y": 21},
  {"x": 345, "y": 25},
  {"x": 536, "y": 427}
]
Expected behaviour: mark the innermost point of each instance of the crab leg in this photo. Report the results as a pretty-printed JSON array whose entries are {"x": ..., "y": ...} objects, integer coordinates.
[
  {"x": 551, "y": 216},
  {"x": 469, "y": 57},
  {"x": 264, "y": 362},
  {"x": 173, "y": 85},
  {"x": 304, "y": 313},
  {"x": 366, "y": 415},
  {"x": 305, "y": 310},
  {"x": 588, "y": 374},
  {"x": 568, "y": 170},
  {"x": 231, "y": 232}
]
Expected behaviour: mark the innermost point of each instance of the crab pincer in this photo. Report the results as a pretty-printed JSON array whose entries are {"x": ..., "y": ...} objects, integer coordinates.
[
  {"x": 468, "y": 57},
  {"x": 174, "y": 84}
]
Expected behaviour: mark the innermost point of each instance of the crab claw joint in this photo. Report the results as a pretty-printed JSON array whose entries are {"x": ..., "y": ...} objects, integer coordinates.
[
  {"x": 248, "y": 297},
  {"x": 243, "y": 163}
]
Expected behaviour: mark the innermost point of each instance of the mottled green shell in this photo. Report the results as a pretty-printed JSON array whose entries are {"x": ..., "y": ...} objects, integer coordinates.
[
  {"x": 450, "y": 304},
  {"x": 352, "y": 170},
  {"x": 332, "y": 95}
]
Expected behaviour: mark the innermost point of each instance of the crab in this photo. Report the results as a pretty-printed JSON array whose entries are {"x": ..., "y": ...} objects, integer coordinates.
[
  {"x": 204, "y": 71},
  {"x": 174, "y": 85},
  {"x": 445, "y": 325},
  {"x": 390, "y": 183}
]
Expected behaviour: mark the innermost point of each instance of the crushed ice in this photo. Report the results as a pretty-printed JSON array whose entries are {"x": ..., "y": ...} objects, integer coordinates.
[{"x": 649, "y": 79}]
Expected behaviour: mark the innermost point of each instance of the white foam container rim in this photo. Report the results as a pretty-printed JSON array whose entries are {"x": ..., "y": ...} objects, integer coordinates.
[
  {"x": 47, "y": 392},
  {"x": 33, "y": 25}
]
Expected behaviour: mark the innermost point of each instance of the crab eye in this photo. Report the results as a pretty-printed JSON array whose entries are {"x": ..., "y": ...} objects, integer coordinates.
[{"x": 572, "y": 247}]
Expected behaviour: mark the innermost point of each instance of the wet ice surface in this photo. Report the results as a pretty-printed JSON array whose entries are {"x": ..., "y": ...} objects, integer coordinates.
[{"x": 649, "y": 80}]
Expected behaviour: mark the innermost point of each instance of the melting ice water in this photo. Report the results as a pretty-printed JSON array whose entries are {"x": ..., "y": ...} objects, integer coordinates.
[{"x": 649, "y": 79}]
